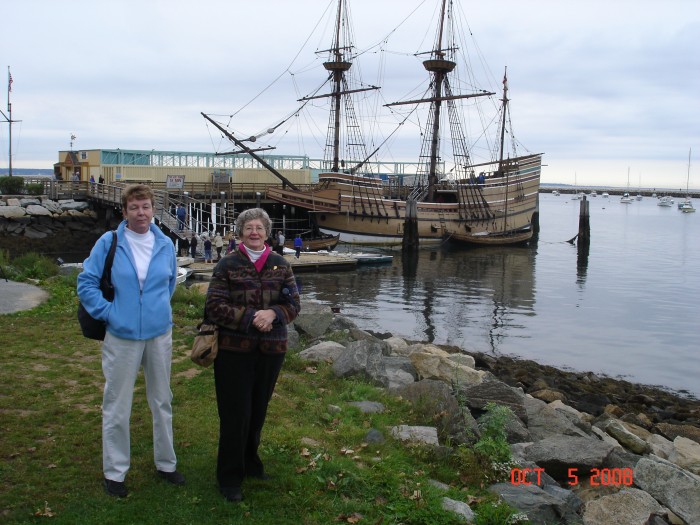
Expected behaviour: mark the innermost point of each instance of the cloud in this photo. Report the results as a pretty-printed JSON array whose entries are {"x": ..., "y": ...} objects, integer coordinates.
[{"x": 595, "y": 85}]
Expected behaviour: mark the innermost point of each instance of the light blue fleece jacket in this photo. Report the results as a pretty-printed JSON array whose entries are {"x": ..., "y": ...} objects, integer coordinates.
[{"x": 135, "y": 314}]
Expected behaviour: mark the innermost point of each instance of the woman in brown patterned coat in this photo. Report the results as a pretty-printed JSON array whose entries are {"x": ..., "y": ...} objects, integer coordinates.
[{"x": 252, "y": 297}]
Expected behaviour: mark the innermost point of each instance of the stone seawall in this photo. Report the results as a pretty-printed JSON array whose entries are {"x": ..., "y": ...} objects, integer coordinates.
[{"x": 63, "y": 228}]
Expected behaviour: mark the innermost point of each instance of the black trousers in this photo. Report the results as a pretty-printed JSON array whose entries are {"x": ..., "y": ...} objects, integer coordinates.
[{"x": 244, "y": 385}]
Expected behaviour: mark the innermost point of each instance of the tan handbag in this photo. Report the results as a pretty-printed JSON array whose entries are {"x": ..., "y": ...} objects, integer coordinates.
[{"x": 206, "y": 344}]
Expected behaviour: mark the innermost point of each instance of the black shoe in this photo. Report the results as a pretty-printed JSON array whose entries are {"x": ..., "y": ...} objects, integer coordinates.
[
  {"x": 115, "y": 488},
  {"x": 232, "y": 494},
  {"x": 173, "y": 477}
]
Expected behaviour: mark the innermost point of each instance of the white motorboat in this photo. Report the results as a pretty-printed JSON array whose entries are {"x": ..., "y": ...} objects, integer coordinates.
[{"x": 665, "y": 201}]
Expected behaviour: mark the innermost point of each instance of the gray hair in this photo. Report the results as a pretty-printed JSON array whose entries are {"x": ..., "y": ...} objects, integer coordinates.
[{"x": 252, "y": 214}]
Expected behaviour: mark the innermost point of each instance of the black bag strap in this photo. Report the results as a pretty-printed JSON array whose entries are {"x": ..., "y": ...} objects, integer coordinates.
[{"x": 107, "y": 271}]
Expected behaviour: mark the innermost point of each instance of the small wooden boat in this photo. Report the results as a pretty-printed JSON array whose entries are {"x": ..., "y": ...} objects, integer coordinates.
[{"x": 325, "y": 242}]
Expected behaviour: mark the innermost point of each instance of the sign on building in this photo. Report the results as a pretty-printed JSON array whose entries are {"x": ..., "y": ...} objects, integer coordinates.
[
  {"x": 220, "y": 176},
  {"x": 175, "y": 182}
]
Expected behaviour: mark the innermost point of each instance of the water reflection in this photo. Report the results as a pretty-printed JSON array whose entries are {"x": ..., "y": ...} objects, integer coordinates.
[
  {"x": 474, "y": 298},
  {"x": 583, "y": 250}
]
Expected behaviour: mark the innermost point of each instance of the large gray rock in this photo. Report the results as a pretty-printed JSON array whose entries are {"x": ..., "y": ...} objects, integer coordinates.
[
  {"x": 51, "y": 205},
  {"x": 432, "y": 362},
  {"x": 314, "y": 319},
  {"x": 37, "y": 210},
  {"x": 29, "y": 201},
  {"x": 458, "y": 507},
  {"x": 399, "y": 371},
  {"x": 12, "y": 212},
  {"x": 365, "y": 359},
  {"x": 396, "y": 345},
  {"x": 33, "y": 233},
  {"x": 672, "y": 431},
  {"x": 686, "y": 454},
  {"x": 660, "y": 446},
  {"x": 558, "y": 454},
  {"x": 626, "y": 438},
  {"x": 627, "y": 507},
  {"x": 341, "y": 323},
  {"x": 73, "y": 205},
  {"x": 433, "y": 401},
  {"x": 544, "y": 421},
  {"x": 416, "y": 434},
  {"x": 323, "y": 352},
  {"x": 540, "y": 506},
  {"x": 677, "y": 489},
  {"x": 478, "y": 396}
]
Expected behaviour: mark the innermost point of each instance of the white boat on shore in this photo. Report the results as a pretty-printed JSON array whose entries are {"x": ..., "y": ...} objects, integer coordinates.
[{"x": 182, "y": 274}]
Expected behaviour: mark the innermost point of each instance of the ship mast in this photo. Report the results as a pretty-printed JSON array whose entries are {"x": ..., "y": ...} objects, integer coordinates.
[
  {"x": 504, "y": 108},
  {"x": 439, "y": 67},
  {"x": 337, "y": 65}
]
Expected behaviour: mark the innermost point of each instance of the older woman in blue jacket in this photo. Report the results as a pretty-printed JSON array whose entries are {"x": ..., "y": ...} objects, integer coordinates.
[{"x": 139, "y": 333}]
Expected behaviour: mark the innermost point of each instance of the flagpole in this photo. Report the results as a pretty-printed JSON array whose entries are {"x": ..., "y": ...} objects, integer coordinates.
[{"x": 9, "y": 119}]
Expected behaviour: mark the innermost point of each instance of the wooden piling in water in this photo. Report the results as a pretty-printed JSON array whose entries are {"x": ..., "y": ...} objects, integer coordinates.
[
  {"x": 584, "y": 223},
  {"x": 410, "y": 227}
]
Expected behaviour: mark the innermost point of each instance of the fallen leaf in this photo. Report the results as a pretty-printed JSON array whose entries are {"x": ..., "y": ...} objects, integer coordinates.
[{"x": 46, "y": 512}]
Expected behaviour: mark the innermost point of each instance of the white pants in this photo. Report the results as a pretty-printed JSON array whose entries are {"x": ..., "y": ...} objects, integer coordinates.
[{"x": 121, "y": 361}]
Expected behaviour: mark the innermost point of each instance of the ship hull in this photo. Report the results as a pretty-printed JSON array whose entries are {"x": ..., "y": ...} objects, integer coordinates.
[{"x": 498, "y": 211}]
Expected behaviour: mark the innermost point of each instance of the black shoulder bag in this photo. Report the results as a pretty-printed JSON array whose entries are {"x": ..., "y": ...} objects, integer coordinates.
[{"x": 91, "y": 327}]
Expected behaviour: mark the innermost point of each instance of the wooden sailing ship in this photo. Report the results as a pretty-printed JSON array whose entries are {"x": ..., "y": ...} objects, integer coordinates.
[{"x": 489, "y": 202}]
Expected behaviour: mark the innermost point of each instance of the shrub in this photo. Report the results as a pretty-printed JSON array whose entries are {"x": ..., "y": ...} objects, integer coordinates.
[
  {"x": 493, "y": 442},
  {"x": 35, "y": 188},
  {"x": 34, "y": 266},
  {"x": 11, "y": 185}
]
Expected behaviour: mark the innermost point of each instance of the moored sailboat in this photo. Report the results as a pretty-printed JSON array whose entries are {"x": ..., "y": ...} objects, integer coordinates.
[
  {"x": 686, "y": 206},
  {"x": 489, "y": 202}
]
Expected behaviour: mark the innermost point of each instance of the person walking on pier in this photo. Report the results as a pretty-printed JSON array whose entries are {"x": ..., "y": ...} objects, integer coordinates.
[
  {"x": 193, "y": 245},
  {"x": 298, "y": 245},
  {"x": 218, "y": 244},
  {"x": 181, "y": 214},
  {"x": 207, "y": 250},
  {"x": 280, "y": 242}
]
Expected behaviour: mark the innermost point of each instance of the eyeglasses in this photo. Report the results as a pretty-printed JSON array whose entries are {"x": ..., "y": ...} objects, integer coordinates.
[{"x": 251, "y": 229}]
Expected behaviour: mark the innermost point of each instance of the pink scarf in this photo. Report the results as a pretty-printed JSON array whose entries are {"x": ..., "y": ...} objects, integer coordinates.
[{"x": 260, "y": 263}]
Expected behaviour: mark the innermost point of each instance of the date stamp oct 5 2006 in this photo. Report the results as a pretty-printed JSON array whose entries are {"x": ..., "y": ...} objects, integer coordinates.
[{"x": 596, "y": 476}]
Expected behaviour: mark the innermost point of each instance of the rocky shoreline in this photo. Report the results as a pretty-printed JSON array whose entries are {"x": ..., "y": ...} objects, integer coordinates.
[
  {"x": 67, "y": 228},
  {"x": 633, "y": 450},
  {"x": 595, "y": 394}
]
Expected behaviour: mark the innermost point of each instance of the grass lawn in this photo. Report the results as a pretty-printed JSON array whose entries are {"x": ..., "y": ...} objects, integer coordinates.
[{"x": 322, "y": 470}]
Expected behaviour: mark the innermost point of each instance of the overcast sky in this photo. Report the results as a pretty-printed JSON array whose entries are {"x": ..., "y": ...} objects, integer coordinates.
[{"x": 598, "y": 86}]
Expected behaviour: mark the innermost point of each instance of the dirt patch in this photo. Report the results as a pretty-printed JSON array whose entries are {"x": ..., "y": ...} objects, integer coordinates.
[{"x": 189, "y": 373}]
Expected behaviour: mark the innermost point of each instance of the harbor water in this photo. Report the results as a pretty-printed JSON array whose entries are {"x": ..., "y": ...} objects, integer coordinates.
[{"x": 629, "y": 309}]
